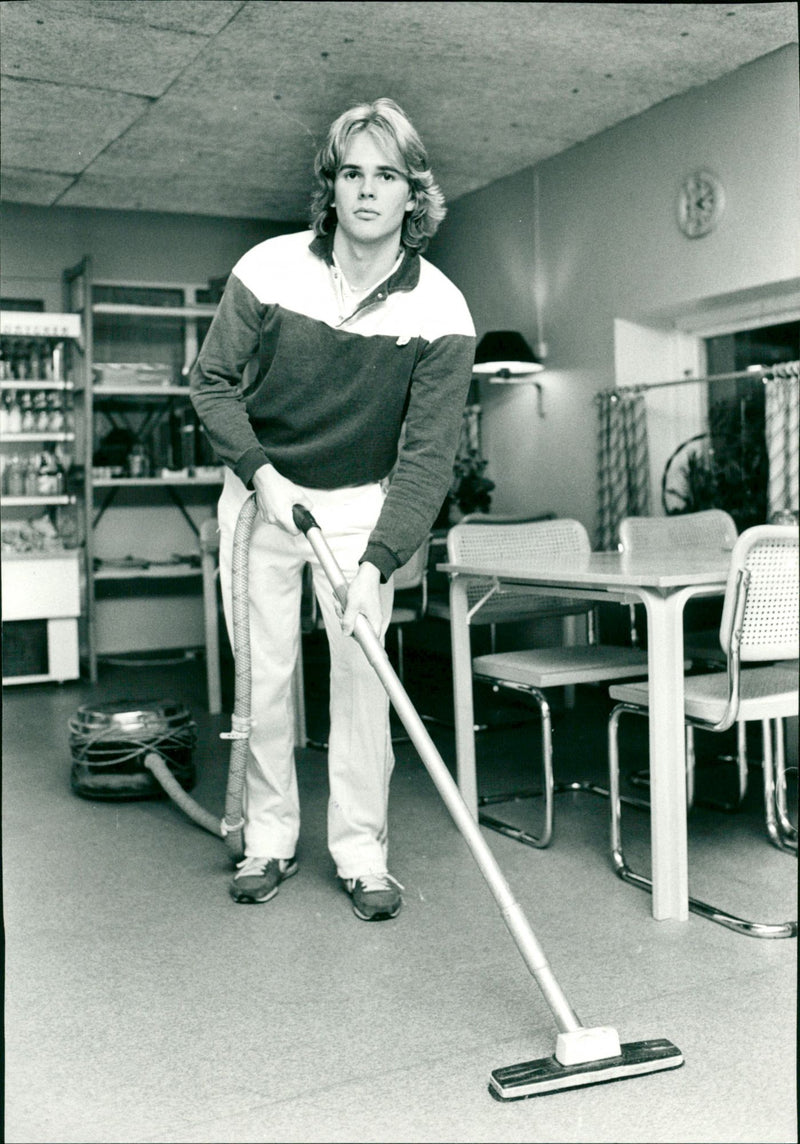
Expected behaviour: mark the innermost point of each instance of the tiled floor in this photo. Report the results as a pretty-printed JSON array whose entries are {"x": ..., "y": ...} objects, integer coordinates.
[{"x": 143, "y": 1005}]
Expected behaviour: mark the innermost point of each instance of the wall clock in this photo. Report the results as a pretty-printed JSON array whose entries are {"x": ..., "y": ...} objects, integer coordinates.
[{"x": 701, "y": 201}]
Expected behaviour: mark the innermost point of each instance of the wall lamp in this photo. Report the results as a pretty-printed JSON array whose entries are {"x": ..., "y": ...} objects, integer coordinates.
[{"x": 503, "y": 357}]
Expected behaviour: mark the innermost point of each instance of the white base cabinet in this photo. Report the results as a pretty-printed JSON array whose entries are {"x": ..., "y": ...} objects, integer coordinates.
[{"x": 41, "y": 605}]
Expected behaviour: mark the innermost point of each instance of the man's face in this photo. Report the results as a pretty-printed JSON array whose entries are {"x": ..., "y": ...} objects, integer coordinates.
[{"x": 370, "y": 192}]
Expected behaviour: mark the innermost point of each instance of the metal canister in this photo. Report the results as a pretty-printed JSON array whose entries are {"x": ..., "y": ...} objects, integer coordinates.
[{"x": 109, "y": 742}]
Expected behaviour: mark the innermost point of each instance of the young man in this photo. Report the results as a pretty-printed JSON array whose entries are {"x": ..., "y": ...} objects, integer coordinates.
[{"x": 326, "y": 353}]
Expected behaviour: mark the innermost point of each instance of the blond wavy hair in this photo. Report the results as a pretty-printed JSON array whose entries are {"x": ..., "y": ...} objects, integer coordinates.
[{"x": 393, "y": 130}]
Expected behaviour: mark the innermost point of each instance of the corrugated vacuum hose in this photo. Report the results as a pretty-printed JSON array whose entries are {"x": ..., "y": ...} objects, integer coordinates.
[
  {"x": 231, "y": 826},
  {"x": 583, "y": 1056}
]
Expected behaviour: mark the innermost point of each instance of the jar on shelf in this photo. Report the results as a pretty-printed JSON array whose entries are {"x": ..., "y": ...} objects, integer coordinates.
[{"x": 138, "y": 462}]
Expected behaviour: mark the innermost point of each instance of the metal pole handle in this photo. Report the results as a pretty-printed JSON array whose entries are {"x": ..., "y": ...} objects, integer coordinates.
[{"x": 518, "y": 925}]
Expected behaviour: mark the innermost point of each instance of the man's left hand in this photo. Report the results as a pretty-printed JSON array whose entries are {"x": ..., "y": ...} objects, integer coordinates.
[{"x": 363, "y": 596}]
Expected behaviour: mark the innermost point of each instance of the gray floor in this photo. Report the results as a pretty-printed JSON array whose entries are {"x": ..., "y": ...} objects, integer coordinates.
[{"x": 143, "y": 1005}]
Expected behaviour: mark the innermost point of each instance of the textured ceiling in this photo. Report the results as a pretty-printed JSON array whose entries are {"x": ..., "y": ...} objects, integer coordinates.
[{"x": 217, "y": 106}]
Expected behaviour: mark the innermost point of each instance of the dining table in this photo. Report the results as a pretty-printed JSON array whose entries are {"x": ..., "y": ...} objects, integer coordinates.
[{"x": 662, "y": 581}]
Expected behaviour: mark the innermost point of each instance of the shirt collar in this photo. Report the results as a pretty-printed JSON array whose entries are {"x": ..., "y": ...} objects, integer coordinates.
[{"x": 405, "y": 277}]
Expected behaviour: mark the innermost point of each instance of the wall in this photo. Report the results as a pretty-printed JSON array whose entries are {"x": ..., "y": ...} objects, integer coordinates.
[
  {"x": 38, "y": 245},
  {"x": 609, "y": 248}
]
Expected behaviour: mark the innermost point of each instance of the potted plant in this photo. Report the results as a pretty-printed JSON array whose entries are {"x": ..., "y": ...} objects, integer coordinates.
[{"x": 470, "y": 491}]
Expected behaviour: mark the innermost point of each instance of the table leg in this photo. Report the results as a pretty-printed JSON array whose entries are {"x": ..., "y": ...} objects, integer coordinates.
[
  {"x": 667, "y": 755},
  {"x": 462, "y": 694}
]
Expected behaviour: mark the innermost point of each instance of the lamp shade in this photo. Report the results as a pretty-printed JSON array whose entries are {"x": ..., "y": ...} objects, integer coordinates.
[{"x": 505, "y": 353}]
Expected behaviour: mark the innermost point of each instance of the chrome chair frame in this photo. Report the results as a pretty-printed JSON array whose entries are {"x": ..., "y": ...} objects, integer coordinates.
[
  {"x": 696, "y": 530},
  {"x": 737, "y": 627},
  {"x": 411, "y": 577},
  {"x": 545, "y": 667}
]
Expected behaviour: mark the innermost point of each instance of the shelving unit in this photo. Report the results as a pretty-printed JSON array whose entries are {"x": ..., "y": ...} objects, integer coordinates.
[
  {"x": 143, "y": 444},
  {"x": 40, "y": 492}
]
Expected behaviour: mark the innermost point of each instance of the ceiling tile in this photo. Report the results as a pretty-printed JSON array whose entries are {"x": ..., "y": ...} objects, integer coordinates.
[
  {"x": 48, "y": 127},
  {"x": 37, "y": 187},
  {"x": 197, "y": 16},
  {"x": 48, "y": 40}
]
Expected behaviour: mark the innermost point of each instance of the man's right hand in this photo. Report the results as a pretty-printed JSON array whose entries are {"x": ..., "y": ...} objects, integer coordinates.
[{"x": 275, "y": 496}]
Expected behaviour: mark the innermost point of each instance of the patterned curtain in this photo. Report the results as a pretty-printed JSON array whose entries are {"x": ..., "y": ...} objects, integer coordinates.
[
  {"x": 783, "y": 442},
  {"x": 623, "y": 462}
]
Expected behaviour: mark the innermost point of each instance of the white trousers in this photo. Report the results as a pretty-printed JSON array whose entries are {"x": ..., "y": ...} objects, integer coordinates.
[{"x": 360, "y": 758}]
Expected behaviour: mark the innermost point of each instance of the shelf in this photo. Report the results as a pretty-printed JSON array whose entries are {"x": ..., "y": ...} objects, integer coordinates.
[
  {"x": 101, "y": 391},
  {"x": 152, "y": 572},
  {"x": 22, "y": 438},
  {"x": 36, "y": 384},
  {"x": 188, "y": 312},
  {"x": 153, "y": 482},
  {"x": 15, "y": 680},
  {"x": 53, "y": 554},
  {"x": 22, "y": 502},
  {"x": 151, "y": 400},
  {"x": 30, "y": 324}
]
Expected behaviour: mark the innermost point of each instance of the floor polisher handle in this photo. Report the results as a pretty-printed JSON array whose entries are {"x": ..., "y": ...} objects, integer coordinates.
[{"x": 515, "y": 920}]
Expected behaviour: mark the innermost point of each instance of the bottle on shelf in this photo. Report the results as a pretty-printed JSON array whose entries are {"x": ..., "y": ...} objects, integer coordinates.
[
  {"x": 50, "y": 476},
  {"x": 65, "y": 462},
  {"x": 15, "y": 477},
  {"x": 28, "y": 416},
  {"x": 187, "y": 447},
  {"x": 35, "y": 363},
  {"x": 31, "y": 479},
  {"x": 55, "y": 412},
  {"x": 14, "y": 413},
  {"x": 68, "y": 407},
  {"x": 55, "y": 363},
  {"x": 20, "y": 367},
  {"x": 41, "y": 412}
]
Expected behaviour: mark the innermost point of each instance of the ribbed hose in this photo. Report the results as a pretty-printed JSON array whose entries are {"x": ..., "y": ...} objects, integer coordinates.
[
  {"x": 241, "y": 721},
  {"x": 231, "y": 828},
  {"x": 159, "y": 769}
]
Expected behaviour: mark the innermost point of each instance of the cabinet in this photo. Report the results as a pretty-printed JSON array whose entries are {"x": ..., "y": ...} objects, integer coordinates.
[
  {"x": 41, "y": 537},
  {"x": 145, "y": 456}
]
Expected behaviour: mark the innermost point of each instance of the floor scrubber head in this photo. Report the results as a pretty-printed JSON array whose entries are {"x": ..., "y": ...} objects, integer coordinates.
[{"x": 547, "y": 1074}]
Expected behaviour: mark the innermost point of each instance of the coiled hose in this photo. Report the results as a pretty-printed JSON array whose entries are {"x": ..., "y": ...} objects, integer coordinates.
[{"x": 231, "y": 827}]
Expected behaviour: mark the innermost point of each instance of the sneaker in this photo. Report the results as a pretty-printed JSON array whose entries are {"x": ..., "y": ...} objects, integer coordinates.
[
  {"x": 376, "y": 897},
  {"x": 258, "y": 878}
]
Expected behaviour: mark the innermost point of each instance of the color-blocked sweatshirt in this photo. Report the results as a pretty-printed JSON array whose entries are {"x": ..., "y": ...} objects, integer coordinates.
[{"x": 285, "y": 376}]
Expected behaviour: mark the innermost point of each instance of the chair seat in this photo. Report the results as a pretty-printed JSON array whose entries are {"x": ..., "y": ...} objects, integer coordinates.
[
  {"x": 405, "y": 615},
  {"x": 767, "y": 693},
  {"x": 538, "y": 607},
  {"x": 561, "y": 666}
]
